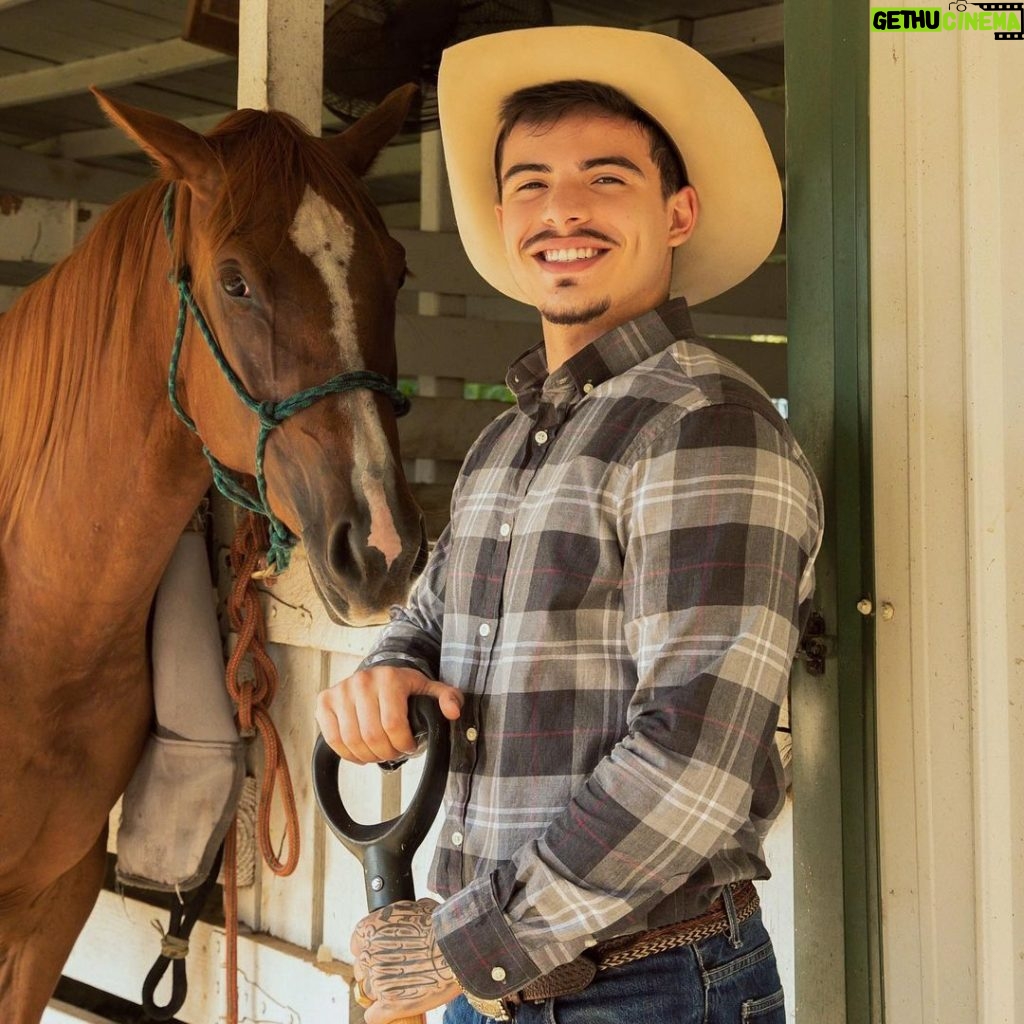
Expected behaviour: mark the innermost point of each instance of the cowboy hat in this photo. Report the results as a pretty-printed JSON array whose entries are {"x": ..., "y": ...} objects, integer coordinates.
[{"x": 717, "y": 134}]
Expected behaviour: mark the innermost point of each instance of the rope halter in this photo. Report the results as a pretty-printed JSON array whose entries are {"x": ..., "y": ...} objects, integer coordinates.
[{"x": 270, "y": 414}]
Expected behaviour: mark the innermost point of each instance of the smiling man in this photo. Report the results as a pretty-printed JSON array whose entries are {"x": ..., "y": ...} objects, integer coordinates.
[{"x": 610, "y": 618}]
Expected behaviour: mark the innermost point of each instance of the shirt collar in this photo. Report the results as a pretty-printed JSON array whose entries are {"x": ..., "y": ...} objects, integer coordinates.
[{"x": 607, "y": 356}]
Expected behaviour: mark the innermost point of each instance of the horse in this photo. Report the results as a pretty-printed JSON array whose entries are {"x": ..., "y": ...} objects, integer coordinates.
[{"x": 284, "y": 372}]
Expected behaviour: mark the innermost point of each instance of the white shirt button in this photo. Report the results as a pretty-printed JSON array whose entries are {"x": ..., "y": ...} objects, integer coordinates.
[
  {"x": 484, "y": 630},
  {"x": 472, "y": 734},
  {"x": 456, "y": 839},
  {"x": 587, "y": 388},
  {"x": 498, "y": 973},
  {"x": 505, "y": 530},
  {"x": 541, "y": 437}
]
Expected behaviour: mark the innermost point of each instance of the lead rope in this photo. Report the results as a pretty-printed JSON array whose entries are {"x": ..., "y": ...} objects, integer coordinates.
[{"x": 252, "y": 698}]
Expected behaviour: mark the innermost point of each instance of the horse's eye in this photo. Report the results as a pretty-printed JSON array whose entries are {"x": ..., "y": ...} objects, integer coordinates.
[{"x": 235, "y": 285}]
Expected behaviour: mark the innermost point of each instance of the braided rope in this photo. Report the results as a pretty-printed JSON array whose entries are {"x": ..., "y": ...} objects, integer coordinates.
[{"x": 252, "y": 698}]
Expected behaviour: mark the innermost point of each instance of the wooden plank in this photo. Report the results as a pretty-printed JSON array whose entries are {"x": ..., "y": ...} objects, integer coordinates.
[
  {"x": 444, "y": 428},
  {"x": 149, "y": 61},
  {"x": 64, "y": 1013},
  {"x": 279, "y": 983},
  {"x": 42, "y": 231},
  {"x": 32, "y": 175},
  {"x": 448, "y": 346}
]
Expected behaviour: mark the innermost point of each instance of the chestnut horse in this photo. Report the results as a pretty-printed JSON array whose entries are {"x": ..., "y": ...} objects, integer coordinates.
[{"x": 292, "y": 267}]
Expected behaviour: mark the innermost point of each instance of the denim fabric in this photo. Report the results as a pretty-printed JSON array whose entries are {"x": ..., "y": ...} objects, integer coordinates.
[{"x": 724, "y": 980}]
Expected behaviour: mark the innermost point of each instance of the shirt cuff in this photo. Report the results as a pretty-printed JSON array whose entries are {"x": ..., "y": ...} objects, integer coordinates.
[{"x": 478, "y": 944}]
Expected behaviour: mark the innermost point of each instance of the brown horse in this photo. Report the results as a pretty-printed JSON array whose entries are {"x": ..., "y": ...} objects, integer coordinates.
[{"x": 296, "y": 275}]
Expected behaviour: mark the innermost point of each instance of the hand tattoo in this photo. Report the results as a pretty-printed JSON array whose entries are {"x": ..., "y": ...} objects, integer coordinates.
[{"x": 398, "y": 955}]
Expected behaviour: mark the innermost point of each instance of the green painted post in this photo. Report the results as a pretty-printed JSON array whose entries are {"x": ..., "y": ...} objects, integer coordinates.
[{"x": 835, "y": 815}]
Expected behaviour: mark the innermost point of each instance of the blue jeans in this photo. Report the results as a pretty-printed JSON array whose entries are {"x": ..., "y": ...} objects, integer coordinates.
[{"x": 728, "y": 979}]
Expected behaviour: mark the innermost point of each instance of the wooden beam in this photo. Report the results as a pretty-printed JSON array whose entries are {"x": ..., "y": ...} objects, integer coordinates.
[
  {"x": 153, "y": 60},
  {"x": 281, "y": 54},
  {"x": 30, "y": 174},
  {"x": 721, "y": 35}
]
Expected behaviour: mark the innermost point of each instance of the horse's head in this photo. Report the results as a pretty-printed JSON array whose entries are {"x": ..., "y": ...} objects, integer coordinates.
[{"x": 296, "y": 275}]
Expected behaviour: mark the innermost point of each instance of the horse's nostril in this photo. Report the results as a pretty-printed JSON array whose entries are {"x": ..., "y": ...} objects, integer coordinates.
[{"x": 340, "y": 549}]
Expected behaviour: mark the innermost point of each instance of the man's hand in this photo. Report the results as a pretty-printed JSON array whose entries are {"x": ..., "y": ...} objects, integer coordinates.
[
  {"x": 398, "y": 963},
  {"x": 365, "y": 718}
]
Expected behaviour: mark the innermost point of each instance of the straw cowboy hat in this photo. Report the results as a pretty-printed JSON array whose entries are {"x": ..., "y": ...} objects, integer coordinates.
[{"x": 721, "y": 142}]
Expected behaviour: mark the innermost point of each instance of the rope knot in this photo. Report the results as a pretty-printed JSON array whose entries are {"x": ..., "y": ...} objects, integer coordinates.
[
  {"x": 172, "y": 947},
  {"x": 268, "y": 414}
]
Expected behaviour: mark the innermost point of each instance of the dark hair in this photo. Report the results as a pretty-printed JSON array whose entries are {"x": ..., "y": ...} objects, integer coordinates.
[{"x": 545, "y": 104}]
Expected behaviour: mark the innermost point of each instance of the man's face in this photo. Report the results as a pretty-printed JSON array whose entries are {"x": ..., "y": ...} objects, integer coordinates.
[{"x": 588, "y": 235}]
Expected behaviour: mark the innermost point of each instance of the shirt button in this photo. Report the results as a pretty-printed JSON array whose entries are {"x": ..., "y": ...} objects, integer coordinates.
[
  {"x": 541, "y": 436},
  {"x": 587, "y": 388},
  {"x": 456, "y": 839},
  {"x": 505, "y": 530},
  {"x": 497, "y": 973},
  {"x": 484, "y": 630},
  {"x": 472, "y": 734}
]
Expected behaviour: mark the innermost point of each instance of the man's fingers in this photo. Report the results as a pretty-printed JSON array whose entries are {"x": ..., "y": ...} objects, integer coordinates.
[{"x": 449, "y": 698}]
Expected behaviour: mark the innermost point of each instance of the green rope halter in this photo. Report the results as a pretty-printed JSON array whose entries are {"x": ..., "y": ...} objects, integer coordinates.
[{"x": 270, "y": 414}]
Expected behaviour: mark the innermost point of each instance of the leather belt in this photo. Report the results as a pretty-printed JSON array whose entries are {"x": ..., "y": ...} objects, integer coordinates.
[{"x": 575, "y": 976}]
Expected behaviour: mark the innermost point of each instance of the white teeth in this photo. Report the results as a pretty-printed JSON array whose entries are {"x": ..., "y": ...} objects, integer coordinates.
[{"x": 568, "y": 255}]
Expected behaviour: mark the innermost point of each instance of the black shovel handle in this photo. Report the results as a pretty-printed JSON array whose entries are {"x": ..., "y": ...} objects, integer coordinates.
[{"x": 386, "y": 849}]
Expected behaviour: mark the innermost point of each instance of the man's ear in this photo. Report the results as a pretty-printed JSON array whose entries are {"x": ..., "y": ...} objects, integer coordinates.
[
  {"x": 499, "y": 213},
  {"x": 684, "y": 210}
]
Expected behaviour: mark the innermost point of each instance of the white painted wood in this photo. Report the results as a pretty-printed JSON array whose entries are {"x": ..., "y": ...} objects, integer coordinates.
[
  {"x": 43, "y": 230},
  {"x": 946, "y": 250},
  {"x": 280, "y": 58},
  {"x": 152, "y": 60},
  {"x": 278, "y": 983},
  {"x": 777, "y": 902}
]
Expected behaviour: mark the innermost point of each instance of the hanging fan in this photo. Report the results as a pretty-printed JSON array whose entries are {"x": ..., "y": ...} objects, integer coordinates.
[{"x": 374, "y": 46}]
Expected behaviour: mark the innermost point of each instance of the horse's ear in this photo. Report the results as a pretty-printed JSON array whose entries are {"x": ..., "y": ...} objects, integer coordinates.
[
  {"x": 180, "y": 153},
  {"x": 358, "y": 146}
]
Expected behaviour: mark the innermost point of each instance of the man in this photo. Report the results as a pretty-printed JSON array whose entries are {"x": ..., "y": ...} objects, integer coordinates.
[{"x": 610, "y": 618}]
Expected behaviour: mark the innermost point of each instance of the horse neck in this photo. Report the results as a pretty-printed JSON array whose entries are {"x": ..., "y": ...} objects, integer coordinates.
[{"x": 112, "y": 506}]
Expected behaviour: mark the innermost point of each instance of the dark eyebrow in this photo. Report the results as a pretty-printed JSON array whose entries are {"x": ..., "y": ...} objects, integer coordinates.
[
  {"x": 586, "y": 165},
  {"x": 614, "y": 161},
  {"x": 523, "y": 168}
]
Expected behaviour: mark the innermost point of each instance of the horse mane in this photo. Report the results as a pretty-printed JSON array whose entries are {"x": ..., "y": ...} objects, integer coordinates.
[{"x": 75, "y": 324}]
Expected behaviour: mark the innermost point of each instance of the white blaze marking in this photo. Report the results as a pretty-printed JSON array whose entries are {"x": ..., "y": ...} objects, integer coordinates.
[{"x": 320, "y": 232}]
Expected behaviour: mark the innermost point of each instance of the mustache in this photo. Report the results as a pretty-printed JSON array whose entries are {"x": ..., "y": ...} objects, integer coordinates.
[{"x": 548, "y": 236}]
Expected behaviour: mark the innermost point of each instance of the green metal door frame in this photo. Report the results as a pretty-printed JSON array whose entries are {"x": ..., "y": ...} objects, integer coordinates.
[{"x": 837, "y": 899}]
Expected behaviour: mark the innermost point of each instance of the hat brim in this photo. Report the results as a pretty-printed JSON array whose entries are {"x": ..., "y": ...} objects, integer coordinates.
[{"x": 727, "y": 157}]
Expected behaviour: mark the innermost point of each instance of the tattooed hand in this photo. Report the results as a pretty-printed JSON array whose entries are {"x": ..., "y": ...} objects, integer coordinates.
[{"x": 399, "y": 964}]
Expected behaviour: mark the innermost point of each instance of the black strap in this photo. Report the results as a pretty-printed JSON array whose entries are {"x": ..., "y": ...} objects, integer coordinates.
[{"x": 184, "y": 914}]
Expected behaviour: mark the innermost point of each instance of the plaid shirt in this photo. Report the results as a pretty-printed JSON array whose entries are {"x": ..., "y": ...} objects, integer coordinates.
[{"x": 619, "y": 596}]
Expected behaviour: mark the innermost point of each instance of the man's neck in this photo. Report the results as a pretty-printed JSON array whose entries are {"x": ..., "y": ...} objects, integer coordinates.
[{"x": 563, "y": 341}]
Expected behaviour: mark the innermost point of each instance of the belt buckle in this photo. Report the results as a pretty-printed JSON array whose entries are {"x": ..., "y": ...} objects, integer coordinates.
[{"x": 496, "y": 1009}]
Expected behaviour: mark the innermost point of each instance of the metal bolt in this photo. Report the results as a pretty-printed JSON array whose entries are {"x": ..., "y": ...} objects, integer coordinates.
[
  {"x": 864, "y": 606},
  {"x": 888, "y": 611},
  {"x": 376, "y": 883}
]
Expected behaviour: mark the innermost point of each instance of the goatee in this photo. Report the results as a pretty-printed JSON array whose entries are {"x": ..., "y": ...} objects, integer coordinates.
[{"x": 580, "y": 315}]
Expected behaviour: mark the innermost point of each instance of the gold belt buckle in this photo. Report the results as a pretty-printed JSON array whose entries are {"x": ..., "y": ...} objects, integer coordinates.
[{"x": 496, "y": 1009}]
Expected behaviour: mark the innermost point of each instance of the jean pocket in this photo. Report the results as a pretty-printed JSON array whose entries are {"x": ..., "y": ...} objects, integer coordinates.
[{"x": 769, "y": 1010}]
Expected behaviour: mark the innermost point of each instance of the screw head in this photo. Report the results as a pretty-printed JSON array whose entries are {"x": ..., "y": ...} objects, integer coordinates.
[{"x": 376, "y": 883}]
